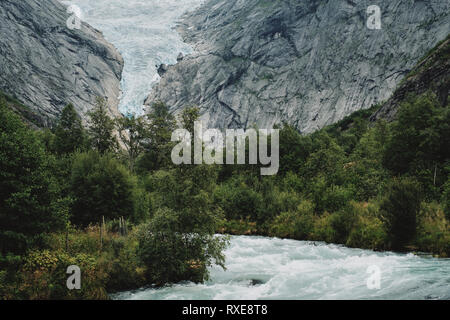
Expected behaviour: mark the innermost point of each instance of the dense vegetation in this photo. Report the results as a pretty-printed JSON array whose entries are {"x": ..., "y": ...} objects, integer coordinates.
[
  {"x": 371, "y": 185},
  {"x": 70, "y": 196},
  {"x": 129, "y": 217}
]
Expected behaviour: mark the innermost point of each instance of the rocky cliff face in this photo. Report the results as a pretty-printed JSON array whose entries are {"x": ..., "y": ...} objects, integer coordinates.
[
  {"x": 46, "y": 65},
  {"x": 431, "y": 74},
  {"x": 306, "y": 62}
]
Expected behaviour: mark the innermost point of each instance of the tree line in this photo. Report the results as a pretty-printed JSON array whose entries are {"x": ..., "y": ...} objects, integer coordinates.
[{"x": 381, "y": 186}]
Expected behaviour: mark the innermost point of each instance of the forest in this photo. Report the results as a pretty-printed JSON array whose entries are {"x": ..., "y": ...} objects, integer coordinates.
[{"x": 105, "y": 195}]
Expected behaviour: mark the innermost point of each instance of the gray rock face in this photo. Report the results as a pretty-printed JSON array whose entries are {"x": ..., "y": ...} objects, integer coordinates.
[
  {"x": 162, "y": 69},
  {"x": 432, "y": 74},
  {"x": 46, "y": 65},
  {"x": 306, "y": 62}
]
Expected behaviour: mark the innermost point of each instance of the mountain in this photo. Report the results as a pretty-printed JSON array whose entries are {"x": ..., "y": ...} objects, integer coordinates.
[
  {"x": 432, "y": 73},
  {"x": 308, "y": 63},
  {"x": 45, "y": 65}
]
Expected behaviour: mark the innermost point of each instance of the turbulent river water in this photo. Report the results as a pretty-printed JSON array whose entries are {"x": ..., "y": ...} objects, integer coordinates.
[
  {"x": 257, "y": 267},
  {"x": 271, "y": 268}
]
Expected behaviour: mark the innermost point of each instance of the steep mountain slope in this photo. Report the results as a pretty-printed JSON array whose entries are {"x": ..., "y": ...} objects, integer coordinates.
[
  {"x": 30, "y": 117},
  {"x": 309, "y": 63},
  {"x": 46, "y": 65},
  {"x": 431, "y": 74}
]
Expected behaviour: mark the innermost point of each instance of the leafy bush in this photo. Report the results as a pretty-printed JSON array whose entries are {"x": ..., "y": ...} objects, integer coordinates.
[
  {"x": 171, "y": 255},
  {"x": 399, "y": 210},
  {"x": 31, "y": 203},
  {"x": 433, "y": 232},
  {"x": 101, "y": 186},
  {"x": 329, "y": 198},
  {"x": 296, "y": 224},
  {"x": 323, "y": 230},
  {"x": 238, "y": 200},
  {"x": 368, "y": 230},
  {"x": 108, "y": 266},
  {"x": 446, "y": 199},
  {"x": 238, "y": 227},
  {"x": 43, "y": 276},
  {"x": 343, "y": 222}
]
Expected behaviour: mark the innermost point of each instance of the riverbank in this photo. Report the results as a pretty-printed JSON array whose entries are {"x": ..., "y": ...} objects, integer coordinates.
[
  {"x": 111, "y": 263},
  {"x": 364, "y": 229},
  {"x": 272, "y": 268},
  {"x": 332, "y": 187}
]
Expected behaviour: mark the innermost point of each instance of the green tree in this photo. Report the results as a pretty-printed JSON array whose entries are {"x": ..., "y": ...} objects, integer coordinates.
[
  {"x": 415, "y": 136},
  {"x": 30, "y": 199},
  {"x": 365, "y": 170},
  {"x": 188, "y": 118},
  {"x": 294, "y": 149},
  {"x": 446, "y": 199},
  {"x": 69, "y": 132},
  {"x": 179, "y": 242},
  {"x": 238, "y": 199},
  {"x": 132, "y": 132},
  {"x": 101, "y": 186},
  {"x": 101, "y": 128},
  {"x": 327, "y": 159},
  {"x": 171, "y": 254},
  {"x": 399, "y": 210},
  {"x": 158, "y": 145}
]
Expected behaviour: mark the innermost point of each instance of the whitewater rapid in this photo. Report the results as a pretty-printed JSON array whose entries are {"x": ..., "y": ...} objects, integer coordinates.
[
  {"x": 271, "y": 268},
  {"x": 142, "y": 31}
]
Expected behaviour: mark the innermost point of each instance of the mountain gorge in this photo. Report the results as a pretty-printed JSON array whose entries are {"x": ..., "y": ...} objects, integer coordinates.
[
  {"x": 86, "y": 190},
  {"x": 307, "y": 63},
  {"x": 46, "y": 65}
]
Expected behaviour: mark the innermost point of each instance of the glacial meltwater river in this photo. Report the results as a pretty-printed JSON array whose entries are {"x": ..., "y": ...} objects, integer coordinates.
[
  {"x": 257, "y": 267},
  {"x": 271, "y": 268}
]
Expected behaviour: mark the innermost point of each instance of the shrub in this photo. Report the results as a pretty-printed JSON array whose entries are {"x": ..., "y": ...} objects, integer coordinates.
[
  {"x": 238, "y": 227},
  {"x": 296, "y": 224},
  {"x": 399, "y": 210},
  {"x": 446, "y": 199},
  {"x": 30, "y": 199},
  {"x": 368, "y": 230},
  {"x": 110, "y": 267},
  {"x": 343, "y": 222},
  {"x": 101, "y": 186},
  {"x": 323, "y": 230},
  {"x": 238, "y": 200},
  {"x": 171, "y": 255},
  {"x": 433, "y": 230},
  {"x": 329, "y": 198},
  {"x": 43, "y": 276}
]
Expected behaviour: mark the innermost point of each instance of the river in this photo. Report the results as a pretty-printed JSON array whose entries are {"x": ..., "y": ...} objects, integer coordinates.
[
  {"x": 257, "y": 267},
  {"x": 271, "y": 268}
]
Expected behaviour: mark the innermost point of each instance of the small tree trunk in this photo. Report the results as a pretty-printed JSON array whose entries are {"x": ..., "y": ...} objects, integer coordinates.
[
  {"x": 67, "y": 239},
  {"x": 101, "y": 237},
  {"x": 434, "y": 180}
]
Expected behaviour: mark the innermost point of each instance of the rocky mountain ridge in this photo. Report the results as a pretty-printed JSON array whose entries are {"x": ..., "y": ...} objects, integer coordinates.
[
  {"x": 46, "y": 65},
  {"x": 308, "y": 63}
]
